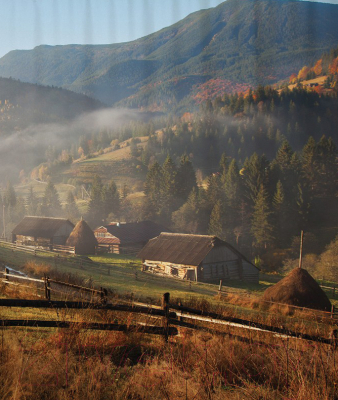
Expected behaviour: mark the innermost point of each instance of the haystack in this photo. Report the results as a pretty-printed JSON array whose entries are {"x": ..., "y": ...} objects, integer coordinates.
[
  {"x": 298, "y": 288},
  {"x": 82, "y": 238}
]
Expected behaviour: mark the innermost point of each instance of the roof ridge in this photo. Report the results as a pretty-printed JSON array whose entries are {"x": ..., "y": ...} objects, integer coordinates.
[{"x": 188, "y": 234}]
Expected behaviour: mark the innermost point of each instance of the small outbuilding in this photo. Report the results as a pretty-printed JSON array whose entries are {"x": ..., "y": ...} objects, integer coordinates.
[
  {"x": 120, "y": 237},
  {"x": 200, "y": 258},
  {"x": 42, "y": 231},
  {"x": 82, "y": 239},
  {"x": 298, "y": 288}
]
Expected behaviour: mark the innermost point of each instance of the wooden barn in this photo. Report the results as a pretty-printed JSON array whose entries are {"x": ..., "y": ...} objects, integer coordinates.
[
  {"x": 197, "y": 258},
  {"x": 42, "y": 230},
  {"x": 119, "y": 237}
]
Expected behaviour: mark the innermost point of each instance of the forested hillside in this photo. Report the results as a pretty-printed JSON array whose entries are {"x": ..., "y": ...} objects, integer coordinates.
[
  {"x": 24, "y": 104},
  {"x": 233, "y": 46}
]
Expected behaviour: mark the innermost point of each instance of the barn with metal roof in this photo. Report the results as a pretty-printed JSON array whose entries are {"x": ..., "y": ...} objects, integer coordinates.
[{"x": 197, "y": 258}]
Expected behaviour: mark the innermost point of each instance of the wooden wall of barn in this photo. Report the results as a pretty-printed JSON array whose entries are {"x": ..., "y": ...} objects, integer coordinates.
[
  {"x": 220, "y": 263},
  {"x": 250, "y": 272},
  {"x": 223, "y": 263},
  {"x": 62, "y": 234}
]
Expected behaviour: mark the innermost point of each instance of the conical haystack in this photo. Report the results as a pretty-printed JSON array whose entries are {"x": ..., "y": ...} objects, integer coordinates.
[
  {"x": 298, "y": 288},
  {"x": 82, "y": 238}
]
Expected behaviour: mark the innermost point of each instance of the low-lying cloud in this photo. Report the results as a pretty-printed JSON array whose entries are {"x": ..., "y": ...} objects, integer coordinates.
[{"x": 26, "y": 148}]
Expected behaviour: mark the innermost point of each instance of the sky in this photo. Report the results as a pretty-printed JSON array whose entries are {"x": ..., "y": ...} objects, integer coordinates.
[{"x": 29, "y": 23}]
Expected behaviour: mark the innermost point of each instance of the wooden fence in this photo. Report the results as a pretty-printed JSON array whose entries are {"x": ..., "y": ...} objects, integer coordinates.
[
  {"x": 44, "y": 284},
  {"x": 50, "y": 249},
  {"x": 57, "y": 257},
  {"x": 170, "y": 319}
]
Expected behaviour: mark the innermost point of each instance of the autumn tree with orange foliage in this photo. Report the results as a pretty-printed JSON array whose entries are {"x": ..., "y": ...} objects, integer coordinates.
[
  {"x": 318, "y": 89},
  {"x": 303, "y": 73},
  {"x": 318, "y": 68},
  {"x": 293, "y": 78}
]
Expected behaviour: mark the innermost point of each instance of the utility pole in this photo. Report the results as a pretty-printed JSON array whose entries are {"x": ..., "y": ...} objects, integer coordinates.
[
  {"x": 3, "y": 219},
  {"x": 301, "y": 249}
]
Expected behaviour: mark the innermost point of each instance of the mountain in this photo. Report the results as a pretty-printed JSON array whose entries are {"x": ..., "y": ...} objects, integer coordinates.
[{"x": 230, "y": 47}]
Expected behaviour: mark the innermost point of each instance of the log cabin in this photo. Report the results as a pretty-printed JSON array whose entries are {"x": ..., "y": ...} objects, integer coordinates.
[{"x": 199, "y": 258}]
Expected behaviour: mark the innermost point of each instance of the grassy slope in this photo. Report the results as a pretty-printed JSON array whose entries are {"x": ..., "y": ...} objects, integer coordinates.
[{"x": 117, "y": 165}]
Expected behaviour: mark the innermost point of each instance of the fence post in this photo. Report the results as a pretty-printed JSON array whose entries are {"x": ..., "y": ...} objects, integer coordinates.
[
  {"x": 220, "y": 286},
  {"x": 6, "y": 273},
  {"x": 333, "y": 338},
  {"x": 165, "y": 307},
  {"x": 332, "y": 311},
  {"x": 103, "y": 295},
  {"x": 47, "y": 288},
  {"x": 179, "y": 317}
]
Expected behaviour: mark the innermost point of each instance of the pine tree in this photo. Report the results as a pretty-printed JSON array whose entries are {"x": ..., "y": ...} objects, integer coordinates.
[
  {"x": 327, "y": 166},
  {"x": 223, "y": 167},
  {"x": 51, "y": 205},
  {"x": 96, "y": 211},
  {"x": 169, "y": 187},
  {"x": 216, "y": 221},
  {"x": 309, "y": 162},
  {"x": 153, "y": 189},
  {"x": 261, "y": 226},
  {"x": 31, "y": 202},
  {"x": 256, "y": 172},
  {"x": 9, "y": 196},
  {"x": 186, "y": 179},
  {"x": 111, "y": 199},
  {"x": 233, "y": 194},
  {"x": 71, "y": 209},
  {"x": 186, "y": 218}
]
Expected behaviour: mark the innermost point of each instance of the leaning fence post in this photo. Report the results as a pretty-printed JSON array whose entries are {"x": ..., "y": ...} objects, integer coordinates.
[
  {"x": 220, "y": 286},
  {"x": 6, "y": 273},
  {"x": 165, "y": 307}
]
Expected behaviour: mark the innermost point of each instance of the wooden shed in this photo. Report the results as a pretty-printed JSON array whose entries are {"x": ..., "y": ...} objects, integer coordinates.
[
  {"x": 196, "y": 257},
  {"x": 42, "y": 230},
  {"x": 120, "y": 237}
]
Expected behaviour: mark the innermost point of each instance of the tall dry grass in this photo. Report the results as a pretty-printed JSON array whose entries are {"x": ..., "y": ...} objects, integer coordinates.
[{"x": 78, "y": 364}]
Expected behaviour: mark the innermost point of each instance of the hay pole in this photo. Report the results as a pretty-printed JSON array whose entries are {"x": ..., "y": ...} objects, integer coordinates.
[{"x": 301, "y": 249}]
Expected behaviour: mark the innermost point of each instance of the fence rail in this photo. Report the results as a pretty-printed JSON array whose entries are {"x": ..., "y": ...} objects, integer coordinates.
[{"x": 169, "y": 319}]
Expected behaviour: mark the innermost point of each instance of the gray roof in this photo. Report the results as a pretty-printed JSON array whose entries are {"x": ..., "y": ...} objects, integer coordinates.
[
  {"x": 135, "y": 232},
  {"x": 42, "y": 227},
  {"x": 179, "y": 248}
]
